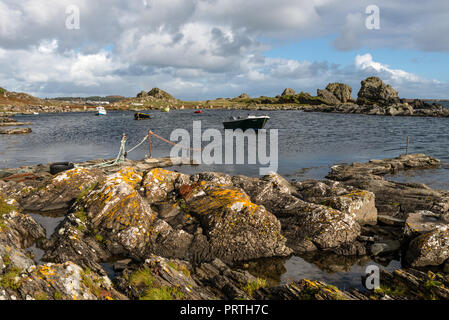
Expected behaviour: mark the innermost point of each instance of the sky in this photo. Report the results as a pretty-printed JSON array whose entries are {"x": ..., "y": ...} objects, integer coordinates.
[{"x": 204, "y": 49}]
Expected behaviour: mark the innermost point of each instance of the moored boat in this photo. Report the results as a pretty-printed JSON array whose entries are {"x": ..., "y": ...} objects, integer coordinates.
[
  {"x": 251, "y": 122},
  {"x": 199, "y": 111},
  {"x": 141, "y": 116},
  {"x": 166, "y": 109},
  {"x": 101, "y": 111}
]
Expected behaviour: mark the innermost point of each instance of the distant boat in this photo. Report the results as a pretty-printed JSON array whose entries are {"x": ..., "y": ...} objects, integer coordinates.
[
  {"x": 166, "y": 109},
  {"x": 36, "y": 113},
  {"x": 141, "y": 116},
  {"x": 101, "y": 111},
  {"x": 251, "y": 122},
  {"x": 199, "y": 111}
]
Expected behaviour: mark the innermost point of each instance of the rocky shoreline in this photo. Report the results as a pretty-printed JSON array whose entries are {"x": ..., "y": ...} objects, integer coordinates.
[
  {"x": 374, "y": 98},
  {"x": 169, "y": 235}
]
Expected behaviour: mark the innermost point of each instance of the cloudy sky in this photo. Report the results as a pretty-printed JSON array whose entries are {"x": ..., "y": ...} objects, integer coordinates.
[{"x": 201, "y": 49}]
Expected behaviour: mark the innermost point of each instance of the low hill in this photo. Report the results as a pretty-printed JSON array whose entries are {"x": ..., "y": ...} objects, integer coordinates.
[{"x": 19, "y": 99}]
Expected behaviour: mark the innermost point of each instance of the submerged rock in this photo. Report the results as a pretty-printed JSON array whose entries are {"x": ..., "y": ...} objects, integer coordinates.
[{"x": 385, "y": 247}]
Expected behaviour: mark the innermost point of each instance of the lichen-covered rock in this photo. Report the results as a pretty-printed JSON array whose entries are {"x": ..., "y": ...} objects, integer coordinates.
[
  {"x": 410, "y": 284},
  {"x": 158, "y": 183},
  {"x": 360, "y": 204},
  {"x": 169, "y": 279},
  {"x": 73, "y": 242},
  {"x": 17, "y": 229},
  {"x": 272, "y": 191},
  {"x": 218, "y": 178},
  {"x": 119, "y": 213},
  {"x": 236, "y": 228},
  {"x": 307, "y": 226},
  {"x": 56, "y": 282},
  {"x": 304, "y": 290},
  {"x": 421, "y": 222},
  {"x": 429, "y": 249},
  {"x": 61, "y": 191},
  {"x": 13, "y": 258},
  {"x": 318, "y": 227}
]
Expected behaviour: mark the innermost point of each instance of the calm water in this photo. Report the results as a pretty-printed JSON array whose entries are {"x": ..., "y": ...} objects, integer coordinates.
[{"x": 306, "y": 140}]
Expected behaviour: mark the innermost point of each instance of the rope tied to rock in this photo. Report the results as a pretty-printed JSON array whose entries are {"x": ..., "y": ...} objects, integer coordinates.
[
  {"x": 173, "y": 143},
  {"x": 122, "y": 154}
]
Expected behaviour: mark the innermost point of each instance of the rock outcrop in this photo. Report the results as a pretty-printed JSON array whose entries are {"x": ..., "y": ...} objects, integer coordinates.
[
  {"x": 160, "y": 94},
  {"x": 327, "y": 97},
  {"x": 341, "y": 91},
  {"x": 336, "y": 93},
  {"x": 288, "y": 92},
  {"x": 374, "y": 91}
]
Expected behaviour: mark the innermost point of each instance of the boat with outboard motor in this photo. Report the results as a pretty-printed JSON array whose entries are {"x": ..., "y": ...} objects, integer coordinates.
[{"x": 250, "y": 122}]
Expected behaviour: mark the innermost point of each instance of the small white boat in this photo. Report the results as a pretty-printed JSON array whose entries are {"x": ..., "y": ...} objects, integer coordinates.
[
  {"x": 101, "y": 111},
  {"x": 36, "y": 113}
]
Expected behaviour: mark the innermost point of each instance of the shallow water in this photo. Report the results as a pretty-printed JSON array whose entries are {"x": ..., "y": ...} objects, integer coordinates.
[{"x": 306, "y": 140}]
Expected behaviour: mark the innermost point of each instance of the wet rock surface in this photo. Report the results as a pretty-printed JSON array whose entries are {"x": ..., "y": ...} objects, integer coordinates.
[
  {"x": 393, "y": 198},
  {"x": 170, "y": 235}
]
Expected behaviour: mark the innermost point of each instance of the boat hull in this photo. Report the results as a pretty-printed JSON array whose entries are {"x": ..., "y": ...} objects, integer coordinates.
[
  {"x": 244, "y": 124},
  {"x": 141, "y": 116}
]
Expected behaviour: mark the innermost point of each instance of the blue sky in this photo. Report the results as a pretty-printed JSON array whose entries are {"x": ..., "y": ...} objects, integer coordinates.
[
  {"x": 201, "y": 49},
  {"x": 426, "y": 64}
]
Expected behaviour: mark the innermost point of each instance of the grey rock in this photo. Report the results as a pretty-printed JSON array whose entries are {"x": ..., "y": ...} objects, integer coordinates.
[{"x": 384, "y": 247}]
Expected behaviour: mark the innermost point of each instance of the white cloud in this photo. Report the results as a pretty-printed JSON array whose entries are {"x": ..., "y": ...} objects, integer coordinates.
[
  {"x": 206, "y": 48},
  {"x": 365, "y": 63}
]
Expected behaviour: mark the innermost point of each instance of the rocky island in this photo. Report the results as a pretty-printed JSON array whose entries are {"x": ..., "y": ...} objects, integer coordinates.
[
  {"x": 374, "y": 98},
  {"x": 170, "y": 235}
]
